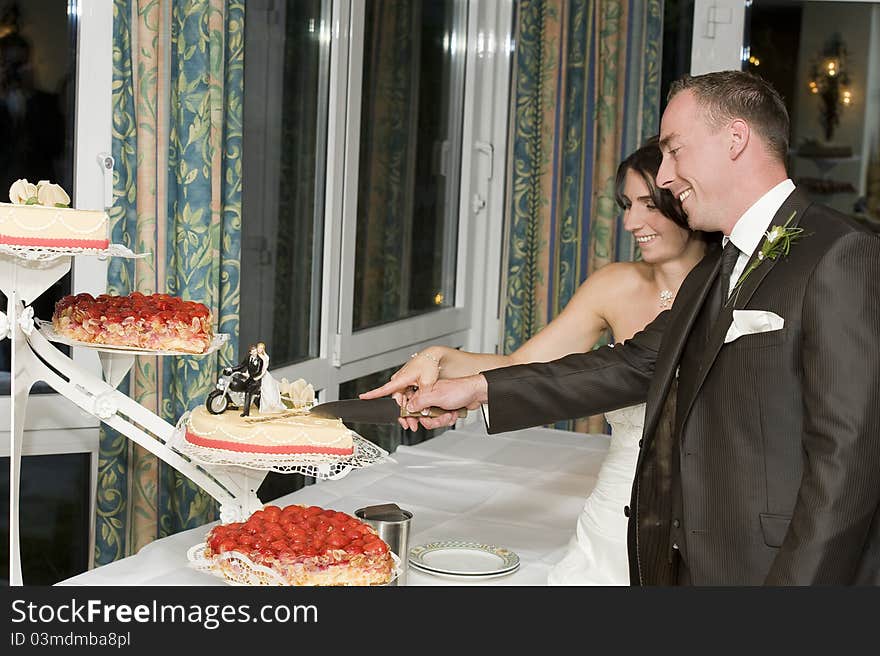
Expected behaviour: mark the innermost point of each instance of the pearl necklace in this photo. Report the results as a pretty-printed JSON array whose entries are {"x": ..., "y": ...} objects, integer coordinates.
[{"x": 666, "y": 298}]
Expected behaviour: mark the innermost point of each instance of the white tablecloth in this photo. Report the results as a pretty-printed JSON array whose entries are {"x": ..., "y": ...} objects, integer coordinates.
[{"x": 522, "y": 490}]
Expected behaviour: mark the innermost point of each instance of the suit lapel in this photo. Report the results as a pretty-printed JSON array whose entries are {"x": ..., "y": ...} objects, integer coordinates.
[
  {"x": 796, "y": 202},
  {"x": 683, "y": 315}
]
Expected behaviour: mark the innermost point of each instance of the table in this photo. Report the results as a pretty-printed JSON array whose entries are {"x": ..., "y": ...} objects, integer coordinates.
[{"x": 522, "y": 490}]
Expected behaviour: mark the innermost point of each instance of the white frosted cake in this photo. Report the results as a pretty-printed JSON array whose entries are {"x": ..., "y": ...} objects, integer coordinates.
[
  {"x": 291, "y": 432},
  {"x": 39, "y": 216}
]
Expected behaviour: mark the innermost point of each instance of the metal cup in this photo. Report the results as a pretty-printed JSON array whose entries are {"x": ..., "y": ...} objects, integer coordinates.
[{"x": 392, "y": 524}]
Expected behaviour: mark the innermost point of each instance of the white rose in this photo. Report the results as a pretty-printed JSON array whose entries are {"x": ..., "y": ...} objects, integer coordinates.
[
  {"x": 104, "y": 406},
  {"x": 231, "y": 513},
  {"x": 52, "y": 195},
  {"x": 22, "y": 190},
  {"x": 774, "y": 234},
  {"x": 26, "y": 320}
]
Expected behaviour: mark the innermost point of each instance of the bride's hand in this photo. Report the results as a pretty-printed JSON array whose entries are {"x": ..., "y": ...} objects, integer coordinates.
[{"x": 421, "y": 372}]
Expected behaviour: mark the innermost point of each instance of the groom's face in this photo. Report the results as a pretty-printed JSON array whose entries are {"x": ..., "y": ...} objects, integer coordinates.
[{"x": 695, "y": 162}]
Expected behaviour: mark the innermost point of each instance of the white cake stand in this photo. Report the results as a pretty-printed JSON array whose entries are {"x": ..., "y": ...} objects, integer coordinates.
[{"x": 25, "y": 274}]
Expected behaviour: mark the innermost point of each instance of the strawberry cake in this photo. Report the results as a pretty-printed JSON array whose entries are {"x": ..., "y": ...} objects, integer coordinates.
[
  {"x": 285, "y": 433},
  {"x": 157, "y": 322},
  {"x": 304, "y": 546}
]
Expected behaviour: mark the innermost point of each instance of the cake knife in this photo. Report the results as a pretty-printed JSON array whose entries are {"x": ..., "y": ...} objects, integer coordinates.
[{"x": 372, "y": 411}]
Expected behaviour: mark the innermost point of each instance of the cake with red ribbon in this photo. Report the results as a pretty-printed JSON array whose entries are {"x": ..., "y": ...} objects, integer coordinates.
[
  {"x": 304, "y": 546},
  {"x": 39, "y": 216},
  {"x": 283, "y": 433}
]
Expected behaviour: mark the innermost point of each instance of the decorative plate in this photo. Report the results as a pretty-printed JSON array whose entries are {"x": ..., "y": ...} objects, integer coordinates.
[
  {"x": 463, "y": 558},
  {"x": 48, "y": 331}
]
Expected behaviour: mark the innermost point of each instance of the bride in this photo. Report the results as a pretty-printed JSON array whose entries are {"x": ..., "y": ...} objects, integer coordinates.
[{"x": 622, "y": 298}]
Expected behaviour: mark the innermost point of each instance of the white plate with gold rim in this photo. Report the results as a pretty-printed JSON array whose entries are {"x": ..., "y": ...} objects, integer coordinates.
[{"x": 463, "y": 558}]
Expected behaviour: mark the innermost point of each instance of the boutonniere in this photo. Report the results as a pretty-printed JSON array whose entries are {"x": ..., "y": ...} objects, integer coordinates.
[{"x": 777, "y": 242}]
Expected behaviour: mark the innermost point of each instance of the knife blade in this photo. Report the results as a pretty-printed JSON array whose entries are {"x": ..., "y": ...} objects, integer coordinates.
[{"x": 372, "y": 411}]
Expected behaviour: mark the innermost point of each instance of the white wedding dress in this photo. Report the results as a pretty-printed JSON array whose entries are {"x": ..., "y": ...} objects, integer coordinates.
[{"x": 597, "y": 554}]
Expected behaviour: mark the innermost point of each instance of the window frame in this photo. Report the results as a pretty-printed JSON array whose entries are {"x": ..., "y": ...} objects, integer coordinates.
[
  {"x": 54, "y": 425},
  {"x": 473, "y": 322}
]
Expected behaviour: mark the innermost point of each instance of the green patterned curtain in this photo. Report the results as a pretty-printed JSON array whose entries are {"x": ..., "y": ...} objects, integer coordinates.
[
  {"x": 586, "y": 88},
  {"x": 177, "y": 122}
]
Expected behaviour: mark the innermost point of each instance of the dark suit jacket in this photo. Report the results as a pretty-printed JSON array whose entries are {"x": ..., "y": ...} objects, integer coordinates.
[{"x": 761, "y": 457}]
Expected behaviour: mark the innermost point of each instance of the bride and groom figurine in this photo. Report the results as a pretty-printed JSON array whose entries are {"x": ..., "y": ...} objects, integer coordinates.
[{"x": 252, "y": 378}]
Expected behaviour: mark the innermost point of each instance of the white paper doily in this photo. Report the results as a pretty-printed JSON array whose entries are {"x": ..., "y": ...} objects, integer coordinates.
[
  {"x": 244, "y": 571},
  {"x": 48, "y": 331},
  {"x": 43, "y": 253},
  {"x": 317, "y": 465}
]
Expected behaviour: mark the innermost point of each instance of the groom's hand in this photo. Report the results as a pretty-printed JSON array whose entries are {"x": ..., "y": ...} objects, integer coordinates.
[{"x": 450, "y": 394}]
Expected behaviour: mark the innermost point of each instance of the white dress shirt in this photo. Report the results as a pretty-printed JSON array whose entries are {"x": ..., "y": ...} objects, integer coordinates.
[{"x": 751, "y": 226}]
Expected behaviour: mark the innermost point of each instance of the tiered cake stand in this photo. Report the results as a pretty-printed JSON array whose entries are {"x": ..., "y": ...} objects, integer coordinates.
[{"x": 25, "y": 274}]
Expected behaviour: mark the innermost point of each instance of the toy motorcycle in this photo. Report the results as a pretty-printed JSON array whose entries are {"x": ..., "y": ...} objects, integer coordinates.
[{"x": 229, "y": 393}]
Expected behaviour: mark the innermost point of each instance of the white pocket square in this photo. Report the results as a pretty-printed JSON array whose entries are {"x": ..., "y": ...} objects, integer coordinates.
[{"x": 749, "y": 322}]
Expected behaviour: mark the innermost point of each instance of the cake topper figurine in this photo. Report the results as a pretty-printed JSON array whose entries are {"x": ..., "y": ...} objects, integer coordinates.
[
  {"x": 245, "y": 384},
  {"x": 270, "y": 391}
]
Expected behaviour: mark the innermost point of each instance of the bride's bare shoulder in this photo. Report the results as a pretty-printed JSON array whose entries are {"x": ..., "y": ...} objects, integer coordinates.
[{"x": 619, "y": 277}]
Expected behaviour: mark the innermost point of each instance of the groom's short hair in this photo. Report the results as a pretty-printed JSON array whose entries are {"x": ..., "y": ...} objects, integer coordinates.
[{"x": 727, "y": 95}]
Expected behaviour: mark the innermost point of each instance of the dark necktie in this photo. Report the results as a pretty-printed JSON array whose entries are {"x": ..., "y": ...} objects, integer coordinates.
[{"x": 720, "y": 291}]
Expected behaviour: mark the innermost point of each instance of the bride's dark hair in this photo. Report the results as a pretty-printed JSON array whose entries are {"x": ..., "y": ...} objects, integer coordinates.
[{"x": 646, "y": 162}]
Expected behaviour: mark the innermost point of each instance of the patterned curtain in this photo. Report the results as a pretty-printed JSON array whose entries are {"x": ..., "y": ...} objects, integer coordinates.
[
  {"x": 586, "y": 88},
  {"x": 177, "y": 121}
]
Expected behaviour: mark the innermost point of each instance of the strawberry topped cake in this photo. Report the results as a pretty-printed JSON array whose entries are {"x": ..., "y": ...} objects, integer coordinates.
[
  {"x": 304, "y": 546},
  {"x": 157, "y": 322}
]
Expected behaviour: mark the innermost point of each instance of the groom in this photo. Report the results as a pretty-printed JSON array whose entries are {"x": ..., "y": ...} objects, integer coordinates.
[{"x": 760, "y": 460}]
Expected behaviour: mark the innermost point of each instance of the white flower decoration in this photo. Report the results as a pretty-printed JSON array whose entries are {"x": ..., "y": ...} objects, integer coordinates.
[
  {"x": 231, "y": 513},
  {"x": 4, "y": 327},
  {"x": 299, "y": 393},
  {"x": 52, "y": 195},
  {"x": 103, "y": 406},
  {"x": 26, "y": 320},
  {"x": 21, "y": 191},
  {"x": 774, "y": 234}
]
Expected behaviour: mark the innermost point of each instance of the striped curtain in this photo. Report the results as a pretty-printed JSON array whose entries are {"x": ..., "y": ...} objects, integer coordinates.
[
  {"x": 586, "y": 88},
  {"x": 177, "y": 122}
]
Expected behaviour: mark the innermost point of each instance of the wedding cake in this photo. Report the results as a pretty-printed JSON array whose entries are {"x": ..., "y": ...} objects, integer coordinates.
[
  {"x": 304, "y": 546},
  {"x": 38, "y": 215},
  {"x": 280, "y": 433},
  {"x": 158, "y": 322}
]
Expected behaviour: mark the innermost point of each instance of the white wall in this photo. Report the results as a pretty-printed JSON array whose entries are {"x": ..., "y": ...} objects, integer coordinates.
[
  {"x": 718, "y": 35},
  {"x": 871, "y": 142}
]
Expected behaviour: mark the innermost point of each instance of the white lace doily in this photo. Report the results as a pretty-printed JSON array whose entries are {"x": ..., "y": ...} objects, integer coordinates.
[
  {"x": 44, "y": 253},
  {"x": 241, "y": 570},
  {"x": 48, "y": 331},
  {"x": 317, "y": 465}
]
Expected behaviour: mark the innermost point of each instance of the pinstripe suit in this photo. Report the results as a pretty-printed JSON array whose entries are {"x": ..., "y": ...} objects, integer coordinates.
[{"x": 761, "y": 457}]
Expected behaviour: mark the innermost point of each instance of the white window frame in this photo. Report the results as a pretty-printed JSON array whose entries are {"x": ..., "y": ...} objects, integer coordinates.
[
  {"x": 473, "y": 322},
  {"x": 54, "y": 425}
]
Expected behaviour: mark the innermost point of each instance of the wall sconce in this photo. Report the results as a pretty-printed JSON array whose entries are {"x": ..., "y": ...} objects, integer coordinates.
[{"x": 829, "y": 80}]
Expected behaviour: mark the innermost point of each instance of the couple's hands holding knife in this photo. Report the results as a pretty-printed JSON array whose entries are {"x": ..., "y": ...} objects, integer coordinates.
[{"x": 448, "y": 393}]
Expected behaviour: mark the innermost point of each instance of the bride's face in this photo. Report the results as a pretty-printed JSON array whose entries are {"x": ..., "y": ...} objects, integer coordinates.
[{"x": 659, "y": 238}]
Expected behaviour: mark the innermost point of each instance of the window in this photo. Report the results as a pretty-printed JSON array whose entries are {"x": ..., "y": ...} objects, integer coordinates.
[
  {"x": 360, "y": 124},
  {"x": 37, "y": 121}
]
